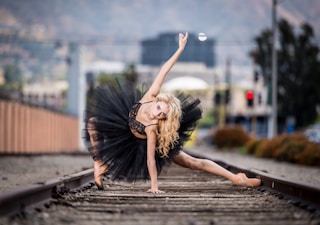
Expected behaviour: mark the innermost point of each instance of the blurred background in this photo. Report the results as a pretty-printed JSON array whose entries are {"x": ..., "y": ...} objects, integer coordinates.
[{"x": 254, "y": 64}]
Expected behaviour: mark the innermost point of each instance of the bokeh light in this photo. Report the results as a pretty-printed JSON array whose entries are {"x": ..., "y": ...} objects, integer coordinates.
[{"x": 202, "y": 36}]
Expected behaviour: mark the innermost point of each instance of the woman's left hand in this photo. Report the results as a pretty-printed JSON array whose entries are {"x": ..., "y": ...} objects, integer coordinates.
[
  {"x": 155, "y": 191},
  {"x": 183, "y": 40}
]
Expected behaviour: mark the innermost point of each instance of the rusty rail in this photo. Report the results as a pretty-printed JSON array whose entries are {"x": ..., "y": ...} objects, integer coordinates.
[
  {"x": 301, "y": 194},
  {"x": 36, "y": 194}
]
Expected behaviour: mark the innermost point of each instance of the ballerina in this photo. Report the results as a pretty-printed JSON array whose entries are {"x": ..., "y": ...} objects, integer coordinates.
[{"x": 134, "y": 133}]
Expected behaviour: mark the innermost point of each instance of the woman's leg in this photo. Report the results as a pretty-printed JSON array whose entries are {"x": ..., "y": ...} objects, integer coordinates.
[
  {"x": 99, "y": 170},
  {"x": 187, "y": 161},
  {"x": 99, "y": 167}
]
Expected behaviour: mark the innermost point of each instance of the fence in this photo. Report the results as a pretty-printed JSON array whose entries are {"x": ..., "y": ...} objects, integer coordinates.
[{"x": 28, "y": 129}]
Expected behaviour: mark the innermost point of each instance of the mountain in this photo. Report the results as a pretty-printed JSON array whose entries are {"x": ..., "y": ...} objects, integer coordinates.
[{"x": 114, "y": 28}]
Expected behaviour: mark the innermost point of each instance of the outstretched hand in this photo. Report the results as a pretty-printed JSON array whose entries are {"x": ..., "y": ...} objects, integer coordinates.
[{"x": 183, "y": 40}]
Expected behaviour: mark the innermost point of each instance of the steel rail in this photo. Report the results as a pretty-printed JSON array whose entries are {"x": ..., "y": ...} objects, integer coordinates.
[
  {"x": 300, "y": 194},
  {"x": 31, "y": 196}
]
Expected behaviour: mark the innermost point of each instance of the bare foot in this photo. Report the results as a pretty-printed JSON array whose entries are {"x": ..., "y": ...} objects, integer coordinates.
[
  {"x": 241, "y": 179},
  {"x": 99, "y": 170}
]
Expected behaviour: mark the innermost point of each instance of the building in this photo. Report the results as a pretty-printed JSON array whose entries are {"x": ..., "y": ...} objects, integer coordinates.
[{"x": 156, "y": 51}]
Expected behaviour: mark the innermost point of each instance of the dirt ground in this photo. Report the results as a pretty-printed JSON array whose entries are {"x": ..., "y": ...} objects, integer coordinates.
[{"x": 18, "y": 171}]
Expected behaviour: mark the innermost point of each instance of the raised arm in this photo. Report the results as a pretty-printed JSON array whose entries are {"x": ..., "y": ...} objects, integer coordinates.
[{"x": 157, "y": 83}]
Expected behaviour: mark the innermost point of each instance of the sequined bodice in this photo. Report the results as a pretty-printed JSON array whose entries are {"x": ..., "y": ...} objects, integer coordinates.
[{"x": 133, "y": 123}]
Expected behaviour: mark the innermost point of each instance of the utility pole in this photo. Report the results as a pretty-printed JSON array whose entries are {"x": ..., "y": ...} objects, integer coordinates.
[
  {"x": 255, "y": 91},
  {"x": 273, "y": 129},
  {"x": 76, "y": 90},
  {"x": 227, "y": 92}
]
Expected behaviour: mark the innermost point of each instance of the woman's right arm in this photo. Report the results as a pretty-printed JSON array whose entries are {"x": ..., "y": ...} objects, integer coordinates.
[
  {"x": 157, "y": 83},
  {"x": 151, "y": 162}
]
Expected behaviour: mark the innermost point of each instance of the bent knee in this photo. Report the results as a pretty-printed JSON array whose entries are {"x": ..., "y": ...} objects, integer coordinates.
[{"x": 90, "y": 125}]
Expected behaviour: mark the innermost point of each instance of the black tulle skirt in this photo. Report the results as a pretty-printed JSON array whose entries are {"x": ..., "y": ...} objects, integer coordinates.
[{"x": 113, "y": 142}]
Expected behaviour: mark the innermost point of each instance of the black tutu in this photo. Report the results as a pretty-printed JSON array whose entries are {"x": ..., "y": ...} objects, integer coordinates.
[{"x": 114, "y": 144}]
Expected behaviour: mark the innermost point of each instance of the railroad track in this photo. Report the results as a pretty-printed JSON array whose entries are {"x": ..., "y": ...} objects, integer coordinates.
[{"x": 191, "y": 197}]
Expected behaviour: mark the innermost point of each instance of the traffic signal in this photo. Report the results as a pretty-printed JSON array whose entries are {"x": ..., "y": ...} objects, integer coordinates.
[
  {"x": 256, "y": 76},
  {"x": 217, "y": 98},
  {"x": 259, "y": 99},
  {"x": 227, "y": 96},
  {"x": 250, "y": 98}
]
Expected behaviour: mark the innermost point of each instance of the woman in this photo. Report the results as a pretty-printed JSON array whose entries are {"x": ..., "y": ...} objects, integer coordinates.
[{"x": 134, "y": 133}]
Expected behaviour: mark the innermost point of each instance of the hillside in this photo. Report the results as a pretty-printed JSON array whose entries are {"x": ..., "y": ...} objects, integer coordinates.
[
  {"x": 141, "y": 18},
  {"x": 116, "y": 27}
]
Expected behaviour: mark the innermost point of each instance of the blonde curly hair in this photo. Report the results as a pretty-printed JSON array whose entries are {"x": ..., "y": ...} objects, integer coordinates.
[{"x": 167, "y": 133}]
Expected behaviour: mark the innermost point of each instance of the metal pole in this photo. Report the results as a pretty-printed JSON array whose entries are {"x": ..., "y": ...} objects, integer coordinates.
[
  {"x": 227, "y": 97},
  {"x": 254, "y": 89},
  {"x": 274, "y": 70},
  {"x": 76, "y": 91}
]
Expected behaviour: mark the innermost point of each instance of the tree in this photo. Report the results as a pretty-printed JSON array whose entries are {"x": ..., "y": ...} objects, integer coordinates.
[
  {"x": 131, "y": 74},
  {"x": 13, "y": 77},
  {"x": 298, "y": 70}
]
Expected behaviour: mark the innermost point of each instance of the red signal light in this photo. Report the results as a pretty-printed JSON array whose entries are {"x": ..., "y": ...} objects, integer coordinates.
[{"x": 249, "y": 95}]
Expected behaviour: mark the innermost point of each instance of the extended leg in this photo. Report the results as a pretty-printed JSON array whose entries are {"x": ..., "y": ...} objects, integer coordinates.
[
  {"x": 99, "y": 167},
  {"x": 185, "y": 160}
]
